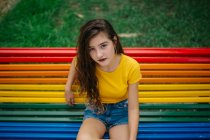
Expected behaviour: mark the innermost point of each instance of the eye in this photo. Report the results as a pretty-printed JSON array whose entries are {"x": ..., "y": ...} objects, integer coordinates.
[
  {"x": 90, "y": 49},
  {"x": 103, "y": 46}
]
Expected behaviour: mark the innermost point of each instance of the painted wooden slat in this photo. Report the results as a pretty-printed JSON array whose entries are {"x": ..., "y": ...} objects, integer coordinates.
[
  {"x": 82, "y": 100},
  {"x": 76, "y": 129},
  {"x": 33, "y": 73},
  {"x": 20, "y": 67},
  {"x": 79, "y": 113},
  {"x": 51, "y": 73},
  {"x": 139, "y": 59},
  {"x": 129, "y": 51},
  {"x": 65, "y": 67},
  {"x": 64, "y": 106},
  {"x": 142, "y": 94},
  {"x": 165, "y": 80},
  {"x": 77, "y": 125},
  {"x": 143, "y": 87},
  {"x": 79, "y": 119}
]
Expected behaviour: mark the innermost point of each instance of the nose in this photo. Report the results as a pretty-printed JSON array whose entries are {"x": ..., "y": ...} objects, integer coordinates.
[{"x": 99, "y": 53}]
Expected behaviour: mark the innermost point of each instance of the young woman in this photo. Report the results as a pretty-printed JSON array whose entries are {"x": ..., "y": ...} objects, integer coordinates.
[{"x": 110, "y": 80}]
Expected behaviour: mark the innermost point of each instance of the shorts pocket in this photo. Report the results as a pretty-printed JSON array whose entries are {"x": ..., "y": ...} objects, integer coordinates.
[{"x": 122, "y": 104}]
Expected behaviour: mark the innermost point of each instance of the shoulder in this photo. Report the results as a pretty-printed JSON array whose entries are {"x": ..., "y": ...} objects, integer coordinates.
[{"x": 129, "y": 61}]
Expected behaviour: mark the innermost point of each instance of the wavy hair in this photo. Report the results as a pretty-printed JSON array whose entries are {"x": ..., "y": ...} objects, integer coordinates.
[{"x": 86, "y": 67}]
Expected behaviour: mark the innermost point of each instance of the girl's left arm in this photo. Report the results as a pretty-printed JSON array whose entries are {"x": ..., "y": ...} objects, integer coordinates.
[{"x": 133, "y": 110}]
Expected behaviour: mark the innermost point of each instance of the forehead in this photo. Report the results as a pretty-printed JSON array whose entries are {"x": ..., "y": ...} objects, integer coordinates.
[{"x": 98, "y": 39}]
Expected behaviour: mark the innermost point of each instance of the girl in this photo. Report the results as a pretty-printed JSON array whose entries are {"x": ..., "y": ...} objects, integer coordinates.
[{"x": 110, "y": 80}]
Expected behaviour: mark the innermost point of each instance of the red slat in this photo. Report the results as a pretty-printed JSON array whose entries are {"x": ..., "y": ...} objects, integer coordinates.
[
  {"x": 139, "y": 59},
  {"x": 63, "y": 52}
]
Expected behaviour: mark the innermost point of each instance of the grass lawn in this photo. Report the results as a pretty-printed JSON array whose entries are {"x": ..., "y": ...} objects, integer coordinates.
[{"x": 140, "y": 23}]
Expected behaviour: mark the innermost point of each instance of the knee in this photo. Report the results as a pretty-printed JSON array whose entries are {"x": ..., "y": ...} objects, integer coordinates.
[{"x": 84, "y": 137}]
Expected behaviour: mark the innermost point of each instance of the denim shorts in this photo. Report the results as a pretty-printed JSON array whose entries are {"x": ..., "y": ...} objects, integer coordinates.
[{"x": 114, "y": 114}]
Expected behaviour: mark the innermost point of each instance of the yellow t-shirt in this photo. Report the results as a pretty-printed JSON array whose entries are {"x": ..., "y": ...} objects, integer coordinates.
[{"x": 113, "y": 86}]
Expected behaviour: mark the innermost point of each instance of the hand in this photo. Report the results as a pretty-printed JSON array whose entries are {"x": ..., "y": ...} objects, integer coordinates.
[{"x": 69, "y": 97}]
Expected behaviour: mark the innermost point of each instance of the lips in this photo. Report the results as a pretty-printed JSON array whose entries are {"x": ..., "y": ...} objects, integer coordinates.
[{"x": 101, "y": 60}]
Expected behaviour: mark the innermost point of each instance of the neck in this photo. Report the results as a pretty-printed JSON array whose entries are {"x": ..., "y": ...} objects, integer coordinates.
[{"x": 113, "y": 65}]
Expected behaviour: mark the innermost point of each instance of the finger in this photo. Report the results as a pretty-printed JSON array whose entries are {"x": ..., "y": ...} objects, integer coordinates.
[{"x": 71, "y": 101}]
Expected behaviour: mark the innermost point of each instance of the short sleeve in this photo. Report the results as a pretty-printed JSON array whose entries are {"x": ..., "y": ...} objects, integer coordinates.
[{"x": 134, "y": 75}]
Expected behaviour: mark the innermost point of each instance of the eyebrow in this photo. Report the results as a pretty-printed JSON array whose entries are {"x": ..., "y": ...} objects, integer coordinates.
[{"x": 100, "y": 44}]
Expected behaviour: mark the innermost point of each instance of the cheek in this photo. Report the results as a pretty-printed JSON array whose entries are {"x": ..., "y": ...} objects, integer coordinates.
[{"x": 92, "y": 55}]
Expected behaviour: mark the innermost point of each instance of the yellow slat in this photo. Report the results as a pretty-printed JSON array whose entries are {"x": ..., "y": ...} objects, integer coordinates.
[
  {"x": 81, "y": 100},
  {"x": 142, "y": 94},
  {"x": 143, "y": 87}
]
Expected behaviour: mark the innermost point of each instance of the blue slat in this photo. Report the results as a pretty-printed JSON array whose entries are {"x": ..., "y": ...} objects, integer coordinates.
[
  {"x": 37, "y": 124},
  {"x": 72, "y": 136},
  {"x": 75, "y": 130}
]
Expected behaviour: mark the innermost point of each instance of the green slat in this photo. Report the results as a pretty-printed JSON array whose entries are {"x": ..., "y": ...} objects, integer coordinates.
[
  {"x": 42, "y": 106},
  {"x": 82, "y": 106},
  {"x": 167, "y": 113},
  {"x": 162, "y": 113},
  {"x": 170, "y": 106},
  {"x": 41, "y": 119},
  {"x": 41, "y": 113},
  {"x": 174, "y": 119},
  {"x": 142, "y": 119}
]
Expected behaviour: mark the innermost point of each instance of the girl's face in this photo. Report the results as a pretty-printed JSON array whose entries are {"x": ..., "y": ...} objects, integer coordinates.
[{"x": 102, "y": 50}]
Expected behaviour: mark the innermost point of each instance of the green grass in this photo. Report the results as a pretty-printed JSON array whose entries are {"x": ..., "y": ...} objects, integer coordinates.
[{"x": 157, "y": 23}]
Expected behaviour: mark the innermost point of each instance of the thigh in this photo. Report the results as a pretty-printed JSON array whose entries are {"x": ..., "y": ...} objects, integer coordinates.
[
  {"x": 91, "y": 128},
  {"x": 119, "y": 132}
]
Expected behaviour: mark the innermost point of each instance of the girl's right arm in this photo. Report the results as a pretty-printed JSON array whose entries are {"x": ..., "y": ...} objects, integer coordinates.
[{"x": 70, "y": 80}]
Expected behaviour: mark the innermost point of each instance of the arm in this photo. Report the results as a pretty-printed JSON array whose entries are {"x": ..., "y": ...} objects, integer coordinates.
[
  {"x": 71, "y": 77},
  {"x": 133, "y": 110}
]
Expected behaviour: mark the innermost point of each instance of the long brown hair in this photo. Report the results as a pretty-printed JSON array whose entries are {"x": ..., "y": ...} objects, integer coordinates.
[{"x": 86, "y": 67}]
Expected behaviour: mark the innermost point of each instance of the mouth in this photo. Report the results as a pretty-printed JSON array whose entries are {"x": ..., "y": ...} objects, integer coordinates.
[{"x": 102, "y": 60}]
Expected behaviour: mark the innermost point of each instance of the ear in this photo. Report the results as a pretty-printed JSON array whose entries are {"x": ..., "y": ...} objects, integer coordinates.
[{"x": 115, "y": 40}]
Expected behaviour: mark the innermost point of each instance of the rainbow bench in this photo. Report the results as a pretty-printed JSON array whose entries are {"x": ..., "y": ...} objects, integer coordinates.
[{"x": 174, "y": 94}]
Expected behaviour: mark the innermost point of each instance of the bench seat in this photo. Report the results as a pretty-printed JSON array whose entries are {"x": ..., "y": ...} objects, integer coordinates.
[{"x": 174, "y": 93}]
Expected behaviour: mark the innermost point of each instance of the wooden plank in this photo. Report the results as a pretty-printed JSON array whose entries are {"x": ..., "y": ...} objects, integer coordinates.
[
  {"x": 175, "y": 73},
  {"x": 149, "y": 73},
  {"x": 23, "y": 67},
  {"x": 82, "y": 100},
  {"x": 139, "y": 59},
  {"x": 79, "y": 113},
  {"x": 175, "y": 66},
  {"x": 64, "y": 106},
  {"x": 79, "y": 119},
  {"x": 65, "y": 67},
  {"x": 128, "y": 51},
  {"x": 179, "y": 80},
  {"x": 142, "y": 94},
  {"x": 50, "y": 80},
  {"x": 143, "y": 87},
  {"x": 143, "y": 125},
  {"x": 49, "y": 73}
]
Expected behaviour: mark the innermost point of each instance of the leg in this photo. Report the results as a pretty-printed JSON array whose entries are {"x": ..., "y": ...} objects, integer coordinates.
[
  {"x": 91, "y": 129},
  {"x": 119, "y": 132}
]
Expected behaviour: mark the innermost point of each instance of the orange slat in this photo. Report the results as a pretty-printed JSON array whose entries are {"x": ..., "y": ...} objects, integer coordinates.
[
  {"x": 12, "y": 67},
  {"x": 175, "y": 80},
  {"x": 63, "y": 80},
  {"x": 175, "y": 73},
  {"x": 177, "y": 66},
  {"x": 33, "y": 73},
  {"x": 149, "y": 73},
  {"x": 144, "y": 66}
]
